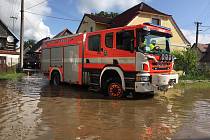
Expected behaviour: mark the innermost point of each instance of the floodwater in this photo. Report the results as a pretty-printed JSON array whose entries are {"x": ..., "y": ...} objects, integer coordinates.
[{"x": 31, "y": 109}]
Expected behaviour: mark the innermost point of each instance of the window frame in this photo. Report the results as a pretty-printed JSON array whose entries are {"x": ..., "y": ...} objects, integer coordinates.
[
  {"x": 99, "y": 47},
  {"x": 157, "y": 19},
  {"x": 108, "y": 35},
  {"x": 122, "y": 47}
]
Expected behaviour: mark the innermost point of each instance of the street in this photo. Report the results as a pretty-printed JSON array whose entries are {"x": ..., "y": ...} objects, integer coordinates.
[{"x": 31, "y": 109}]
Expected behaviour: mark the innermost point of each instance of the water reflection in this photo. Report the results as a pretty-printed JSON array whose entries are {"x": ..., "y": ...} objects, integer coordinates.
[{"x": 31, "y": 109}]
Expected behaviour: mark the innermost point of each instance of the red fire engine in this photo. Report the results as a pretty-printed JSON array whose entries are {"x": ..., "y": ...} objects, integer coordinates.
[{"x": 115, "y": 61}]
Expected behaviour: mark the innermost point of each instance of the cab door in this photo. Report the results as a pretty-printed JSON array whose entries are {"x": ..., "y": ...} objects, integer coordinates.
[
  {"x": 93, "y": 51},
  {"x": 125, "y": 49}
]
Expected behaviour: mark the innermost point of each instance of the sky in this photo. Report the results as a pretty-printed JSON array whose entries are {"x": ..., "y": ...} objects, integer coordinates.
[{"x": 185, "y": 13}]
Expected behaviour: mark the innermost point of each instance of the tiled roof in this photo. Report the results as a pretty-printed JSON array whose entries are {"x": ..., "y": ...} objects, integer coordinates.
[
  {"x": 99, "y": 19},
  {"x": 125, "y": 17},
  {"x": 65, "y": 32}
]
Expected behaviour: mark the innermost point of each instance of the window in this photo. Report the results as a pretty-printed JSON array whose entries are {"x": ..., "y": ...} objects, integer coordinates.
[
  {"x": 94, "y": 43},
  {"x": 91, "y": 29},
  {"x": 155, "y": 21},
  {"x": 109, "y": 40},
  {"x": 125, "y": 40}
]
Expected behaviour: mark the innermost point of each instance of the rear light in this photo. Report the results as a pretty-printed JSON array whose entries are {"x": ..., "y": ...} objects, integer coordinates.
[{"x": 145, "y": 67}]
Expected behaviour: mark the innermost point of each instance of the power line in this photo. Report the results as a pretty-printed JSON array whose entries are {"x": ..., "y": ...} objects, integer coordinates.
[
  {"x": 40, "y": 34},
  {"x": 36, "y": 4},
  {"x": 60, "y": 18},
  {"x": 60, "y": 11}
]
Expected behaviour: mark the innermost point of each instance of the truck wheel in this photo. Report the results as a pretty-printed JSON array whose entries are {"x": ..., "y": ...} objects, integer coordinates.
[
  {"x": 115, "y": 90},
  {"x": 55, "y": 79}
]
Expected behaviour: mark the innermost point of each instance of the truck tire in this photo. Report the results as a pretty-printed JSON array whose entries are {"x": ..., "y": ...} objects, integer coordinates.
[
  {"x": 55, "y": 80},
  {"x": 115, "y": 90}
]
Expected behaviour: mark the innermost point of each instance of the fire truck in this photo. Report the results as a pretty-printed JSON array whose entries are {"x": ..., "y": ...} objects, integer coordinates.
[{"x": 114, "y": 61}]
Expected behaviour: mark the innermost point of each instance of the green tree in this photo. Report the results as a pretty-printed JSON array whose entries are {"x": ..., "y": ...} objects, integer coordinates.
[
  {"x": 29, "y": 43},
  {"x": 187, "y": 61},
  {"x": 106, "y": 14}
]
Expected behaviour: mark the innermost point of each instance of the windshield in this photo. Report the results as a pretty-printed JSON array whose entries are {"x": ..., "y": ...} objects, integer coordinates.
[{"x": 152, "y": 42}]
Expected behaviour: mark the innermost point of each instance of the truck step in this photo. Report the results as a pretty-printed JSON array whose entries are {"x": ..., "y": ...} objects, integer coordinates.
[
  {"x": 128, "y": 78},
  {"x": 130, "y": 88},
  {"x": 94, "y": 84},
  {"x": 94, "y": 89},
  {"x": 94, "y": 75}
]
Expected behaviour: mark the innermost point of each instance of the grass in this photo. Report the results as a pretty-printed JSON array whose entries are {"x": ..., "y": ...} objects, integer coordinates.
[
  {"x": 193, "y": 85},
  {"x": 10, "y": 75}
]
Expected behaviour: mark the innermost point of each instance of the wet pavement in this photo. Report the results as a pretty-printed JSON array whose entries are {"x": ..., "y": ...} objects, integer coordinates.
[{"x": 31, "y": 109}]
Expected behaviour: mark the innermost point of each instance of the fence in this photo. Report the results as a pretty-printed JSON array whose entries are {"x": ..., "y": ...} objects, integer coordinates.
[{"x": 7, "y": 64}]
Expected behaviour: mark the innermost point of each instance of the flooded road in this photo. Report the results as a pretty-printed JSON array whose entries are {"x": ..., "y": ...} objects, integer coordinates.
[{"x": 30, "y": 109}]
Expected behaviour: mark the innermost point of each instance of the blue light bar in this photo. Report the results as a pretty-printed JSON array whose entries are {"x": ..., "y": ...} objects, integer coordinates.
[{"x": 148, "y": 23}]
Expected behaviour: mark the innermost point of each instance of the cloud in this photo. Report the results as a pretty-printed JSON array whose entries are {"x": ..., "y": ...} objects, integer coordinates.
[
  {"x": 34, "y": 25},
  {"x": 190, "y": 35},
  {"x": 88, "y": 6}
]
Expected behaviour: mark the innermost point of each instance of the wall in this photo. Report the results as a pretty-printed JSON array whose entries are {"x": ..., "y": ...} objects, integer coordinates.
[
  {"x": 86, "y": 25},
  {"x": 177, "y": 43},
  {"x": 100, "y": 26}
]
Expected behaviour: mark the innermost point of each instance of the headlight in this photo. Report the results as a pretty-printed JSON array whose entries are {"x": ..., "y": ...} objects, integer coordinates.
[{"x": 142, "y": 78}]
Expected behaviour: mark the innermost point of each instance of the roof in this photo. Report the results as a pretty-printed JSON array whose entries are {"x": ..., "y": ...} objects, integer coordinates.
[
  {"x": 124, "y": 18},
  {"x": 97, "y": 19},
  {"x": 13, "y": 34},
  {"x": 206, "y": 57},
  {"x": 201, "y": 47},
  {"x": 65, "y": 32}
]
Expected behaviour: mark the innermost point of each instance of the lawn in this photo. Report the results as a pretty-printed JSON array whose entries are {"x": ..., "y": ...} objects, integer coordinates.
[
  {"x": 10, "y": 75},
  {"x": 196, "y": 84}
]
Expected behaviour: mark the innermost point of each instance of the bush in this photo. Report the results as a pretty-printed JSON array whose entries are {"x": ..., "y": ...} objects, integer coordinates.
[{"x": 187, "y": 61}]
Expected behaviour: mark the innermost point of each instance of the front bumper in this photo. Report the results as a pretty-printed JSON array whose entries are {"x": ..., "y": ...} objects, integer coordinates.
[
  {"x": 143, "y": 87},
  {"x": 160, "y": 81},
  {"x": 165, "y": 79}
]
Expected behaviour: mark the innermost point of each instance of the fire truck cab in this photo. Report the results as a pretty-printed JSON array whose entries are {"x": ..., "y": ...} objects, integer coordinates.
[{"x": 114, "y": 61}]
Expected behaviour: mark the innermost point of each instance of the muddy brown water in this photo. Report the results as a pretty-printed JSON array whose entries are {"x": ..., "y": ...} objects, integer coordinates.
[{"x": 30, "y": 109}]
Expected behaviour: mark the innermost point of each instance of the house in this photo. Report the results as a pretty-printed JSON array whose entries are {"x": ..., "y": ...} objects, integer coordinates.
[
  {"x": 9, "y": 57},
  {"x": 138, "y": 14},
  {"x": 203, "y": 54},
  {"x": 200, "y": 50},
  {"x": 65, "y": 32},
  {"x": 92, "y": 23}
]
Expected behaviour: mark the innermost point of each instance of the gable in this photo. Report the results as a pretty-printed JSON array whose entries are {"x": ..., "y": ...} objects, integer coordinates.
[
  {"x": 3, "y": 31},
  {"x": 65, "y": 32},
  {"x": 86, "y": 24}
]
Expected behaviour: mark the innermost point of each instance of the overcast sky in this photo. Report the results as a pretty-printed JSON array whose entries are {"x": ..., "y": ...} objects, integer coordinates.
[{"x": 185, "y": 13}]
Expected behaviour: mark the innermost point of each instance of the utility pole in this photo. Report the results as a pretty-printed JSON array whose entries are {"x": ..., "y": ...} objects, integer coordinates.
[
  {"x": 21, "y": 35},
  {"x": 13, "y": 27},
  {"x": 197, "y": 32}
]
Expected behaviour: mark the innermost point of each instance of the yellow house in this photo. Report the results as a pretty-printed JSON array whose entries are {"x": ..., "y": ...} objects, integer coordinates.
[{"x": 138, "y": 14}]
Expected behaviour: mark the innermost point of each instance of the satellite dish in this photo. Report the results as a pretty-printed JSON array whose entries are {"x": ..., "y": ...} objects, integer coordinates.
[{"x": 10, "y": 39}]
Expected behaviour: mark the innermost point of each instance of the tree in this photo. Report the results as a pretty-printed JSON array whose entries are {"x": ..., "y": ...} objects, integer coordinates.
[
  {"x": 106, "y": 14},
  {"x": 29, "y": 43},
  {"x": 186, "y": 61}
]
